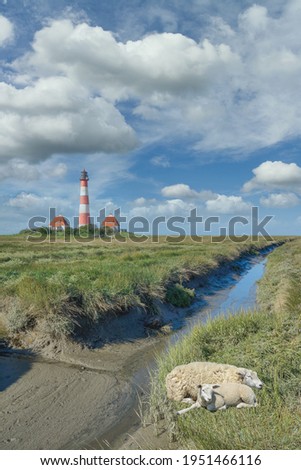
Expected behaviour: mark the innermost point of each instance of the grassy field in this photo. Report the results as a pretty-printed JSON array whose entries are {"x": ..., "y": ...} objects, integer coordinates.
[
  {"x": 268, "y": 341},
  {"x": 55, "y": 286}
]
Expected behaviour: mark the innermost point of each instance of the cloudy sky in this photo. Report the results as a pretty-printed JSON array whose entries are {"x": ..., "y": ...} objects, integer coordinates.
[{"x": 170, "y": 105}]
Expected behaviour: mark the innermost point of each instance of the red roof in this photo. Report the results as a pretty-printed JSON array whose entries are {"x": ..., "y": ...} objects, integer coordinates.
[
  {"x": 59, "y": 221},
  {"x": 110, "y": 221}
]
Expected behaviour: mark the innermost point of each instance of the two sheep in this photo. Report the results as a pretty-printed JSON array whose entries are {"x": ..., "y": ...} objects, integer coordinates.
[
  {"x": 182, "y": 382},
  {"x": 223, "y": 385},
  {"x": 220, "y": 396}
]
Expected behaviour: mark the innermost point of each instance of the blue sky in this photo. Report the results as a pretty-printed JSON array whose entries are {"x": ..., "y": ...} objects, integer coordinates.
[{"x": 169, "y": 105}]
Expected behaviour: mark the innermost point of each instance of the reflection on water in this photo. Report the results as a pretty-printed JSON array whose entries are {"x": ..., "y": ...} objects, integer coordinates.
[
  {"x": 240, "y": 294},
  {"x": 243, "y": 294}
]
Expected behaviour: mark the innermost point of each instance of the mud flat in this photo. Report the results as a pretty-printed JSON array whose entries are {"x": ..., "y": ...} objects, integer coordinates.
[
  {"x": 47, "y": 405},
  {"x": 89, "y": 398}
]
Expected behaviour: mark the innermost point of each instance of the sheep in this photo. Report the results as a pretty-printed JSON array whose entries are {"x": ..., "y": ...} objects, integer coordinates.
[
  {"x": 220, "y": 396},
  {"x": 182, "y": 381}
]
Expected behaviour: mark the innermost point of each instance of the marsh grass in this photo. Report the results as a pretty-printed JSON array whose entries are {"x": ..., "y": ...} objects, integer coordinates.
[
  {"x": 179, "y": 296},
  {"x": 3, "y": 330},
  {"x": 267, "y": 340},
  {"x": 59, "y": 286}
]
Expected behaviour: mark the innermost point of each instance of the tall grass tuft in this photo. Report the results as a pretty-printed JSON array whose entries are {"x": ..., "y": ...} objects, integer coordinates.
[{"x": 179, "y": 296}]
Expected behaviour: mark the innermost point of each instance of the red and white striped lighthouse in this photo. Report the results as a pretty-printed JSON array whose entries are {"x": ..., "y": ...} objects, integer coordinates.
[{"x": 84, "y": 210}]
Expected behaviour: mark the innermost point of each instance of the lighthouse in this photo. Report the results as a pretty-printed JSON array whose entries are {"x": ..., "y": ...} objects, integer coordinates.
[{"x": 84, "y": 210}]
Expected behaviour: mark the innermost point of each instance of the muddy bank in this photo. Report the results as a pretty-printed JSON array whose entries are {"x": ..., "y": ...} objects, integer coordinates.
[
  {"x": 142, "y": 320},
  {"x": 89, "y": 399},
  {"x": 140, "y": 323},
  {"x": 137, "y": 323},
  {"x": 47, "y": 405}
]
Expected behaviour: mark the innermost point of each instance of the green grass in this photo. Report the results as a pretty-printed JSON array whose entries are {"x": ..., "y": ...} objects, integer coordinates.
[
  {"x": 268, "y": 341},
  {"x": 57, "y": 286},
  {"x": 179, "y": 296},
  {"x": 3, "y": 331}
]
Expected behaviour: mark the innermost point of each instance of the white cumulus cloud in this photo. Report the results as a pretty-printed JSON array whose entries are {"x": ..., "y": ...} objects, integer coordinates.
[
  {"x": 275, "y": 175},
  {"x": 280, "y": 200},
  {"x": 27, "y": 201},
  {"x": 183, "y": 191},
  {"x": 179, "y": 191},
  {"x": 21, "y": 170},
  {"x": 142, "y": 201},
  {"x": 159, "y": 63},
  {"x": 227, "y": 205},
  {"x": 234, "y": 89},
  {"x": 55, "y": 115},
  {"x": 172, "y": 207}
]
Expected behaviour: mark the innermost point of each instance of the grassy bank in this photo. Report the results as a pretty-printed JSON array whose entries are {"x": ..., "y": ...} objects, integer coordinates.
[
  {"x": 56, "y": 287},
  {"x": 268, "y": 341}
]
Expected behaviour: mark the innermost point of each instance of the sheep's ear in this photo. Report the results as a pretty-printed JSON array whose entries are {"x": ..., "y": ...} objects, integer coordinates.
[
  {"x": 199, "y": 386},
  {"x": 215, "y": 386},
  {"x": 241, "y": 372}
]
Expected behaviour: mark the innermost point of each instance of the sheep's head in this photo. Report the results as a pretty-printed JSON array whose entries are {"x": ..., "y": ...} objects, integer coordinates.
[
  {"x": 249, "y": 377},
  {"x": 206, "y": 392}
]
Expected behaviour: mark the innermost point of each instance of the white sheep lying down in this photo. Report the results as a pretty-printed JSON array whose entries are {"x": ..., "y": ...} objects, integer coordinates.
[
  {"x": 182, "y": 382},
  {"x": 220, "y": 396}
]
